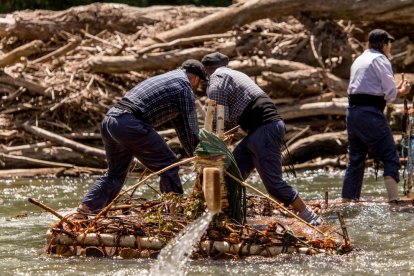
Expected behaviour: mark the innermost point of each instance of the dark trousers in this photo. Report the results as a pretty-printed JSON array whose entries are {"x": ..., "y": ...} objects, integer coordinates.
[
  {"x": 261, "y": 149},
  {"x": 124, "y": 137},
  {"x": 368, "y": 130}
]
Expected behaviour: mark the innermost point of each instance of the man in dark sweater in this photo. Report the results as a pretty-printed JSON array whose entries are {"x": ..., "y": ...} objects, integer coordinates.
[
  {"x": 128, "y": 131},
  {"x": 247, "y": 105}
]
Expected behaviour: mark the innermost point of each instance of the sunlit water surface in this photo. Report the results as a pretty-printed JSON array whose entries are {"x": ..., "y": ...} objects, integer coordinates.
[{"x": 384, "y": 238}]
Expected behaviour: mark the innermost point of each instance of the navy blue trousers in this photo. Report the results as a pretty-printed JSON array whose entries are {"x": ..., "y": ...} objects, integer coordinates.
[
  {"x": 124, "y": 137},
  {"x": 368, "y": 130},
  {"x": 261, "y": 149}
]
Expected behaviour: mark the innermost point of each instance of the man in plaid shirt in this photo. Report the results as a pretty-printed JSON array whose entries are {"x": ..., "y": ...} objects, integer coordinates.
[
  {"x": 250, "y": 107},
  {"x": 128, "y": 131}
]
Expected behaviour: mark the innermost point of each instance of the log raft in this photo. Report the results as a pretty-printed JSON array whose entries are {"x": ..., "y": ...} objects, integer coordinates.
[
  {"x": 136, "y": 225},
  {"x": 116, "y": 246}
]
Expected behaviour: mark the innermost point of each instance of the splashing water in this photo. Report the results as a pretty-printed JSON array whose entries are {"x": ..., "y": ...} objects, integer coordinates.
[{"x": 173, "y": 258}]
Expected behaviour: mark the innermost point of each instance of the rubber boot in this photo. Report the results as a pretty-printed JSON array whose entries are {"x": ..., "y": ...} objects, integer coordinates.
[{"x": 392, "y": 189}]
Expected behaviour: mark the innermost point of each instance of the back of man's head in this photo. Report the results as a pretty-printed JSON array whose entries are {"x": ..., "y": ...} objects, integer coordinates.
[
  {"x": 378, "y": 38},
  {"x": 195, "y": 67},
  {"x": 215, "y": 59}
]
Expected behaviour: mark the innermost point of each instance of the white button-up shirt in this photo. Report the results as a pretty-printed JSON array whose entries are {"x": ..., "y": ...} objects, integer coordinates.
[{"x": 371, "y": 73}]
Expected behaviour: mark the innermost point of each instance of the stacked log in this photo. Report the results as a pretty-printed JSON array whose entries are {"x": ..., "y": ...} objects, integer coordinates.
[{"x": 61, "y": 71}]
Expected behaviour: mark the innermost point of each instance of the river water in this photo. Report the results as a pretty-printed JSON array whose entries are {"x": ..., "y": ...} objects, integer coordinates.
[
  {"x": 384, "y": 238},
  {"x": 173, "y": 258}
]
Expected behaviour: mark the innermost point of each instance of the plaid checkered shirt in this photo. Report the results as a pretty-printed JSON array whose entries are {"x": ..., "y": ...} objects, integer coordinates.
[
  {"x": 233, "y": 89},
  {"x": 167, "y": 98}
]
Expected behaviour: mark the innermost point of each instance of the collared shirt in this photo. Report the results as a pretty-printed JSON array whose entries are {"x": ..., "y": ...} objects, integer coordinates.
[
  {"x": 371, "y": 73},
  {"x": 233, "y": 89},
  {"x": 167, "y": 98}
]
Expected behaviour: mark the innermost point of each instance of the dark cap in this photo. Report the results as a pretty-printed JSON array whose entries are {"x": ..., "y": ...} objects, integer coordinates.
[
  {"x": 215, "y": 59},
  {"x": 195, "y": 67},
  {"x": 379, "y": 35}
]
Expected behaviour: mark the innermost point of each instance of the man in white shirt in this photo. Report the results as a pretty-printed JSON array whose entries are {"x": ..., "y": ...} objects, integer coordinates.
[{"x": 372, "y": 85}]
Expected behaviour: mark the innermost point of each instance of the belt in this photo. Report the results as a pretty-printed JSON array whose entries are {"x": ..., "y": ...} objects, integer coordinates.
[
  {"x": 127, "y": 105},
  {"x": 367, "y": 100}
]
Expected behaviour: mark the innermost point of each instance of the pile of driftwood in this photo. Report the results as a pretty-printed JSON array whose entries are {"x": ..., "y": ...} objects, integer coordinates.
[
  {"x": 140, "y": 228},
  {"x": 61, "y": 71}
]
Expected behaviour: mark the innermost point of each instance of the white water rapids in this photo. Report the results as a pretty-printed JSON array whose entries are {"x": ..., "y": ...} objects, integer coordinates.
[{"x": 173, "y": 258}]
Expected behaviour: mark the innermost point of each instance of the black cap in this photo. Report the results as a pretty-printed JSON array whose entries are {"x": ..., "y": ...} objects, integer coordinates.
[
  {"x": 195, "y": 67},
  {"x": 215, "y": 59},
  {"x": 379, "y": 35}
]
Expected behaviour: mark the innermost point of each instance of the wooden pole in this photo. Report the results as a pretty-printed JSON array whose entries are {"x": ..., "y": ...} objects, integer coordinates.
[
  {"x": 212, "y": 189},
  {"x": 106, "y": 239},
  {"x": 50, "y": 210},
  {"x": 277, "y": 203},
  {"x": 104, "y": 210},
  {"x": 208, "y": 123},
  {"x": 344, "y": 230},
  {"x": 220, "y": 121},
  {"x": 409, "y": 133},
  {"x": 139, "y": 179},
  {"x": 230, "y": 131}
]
